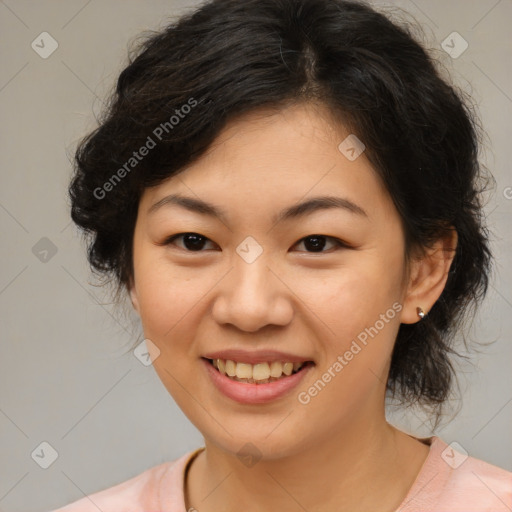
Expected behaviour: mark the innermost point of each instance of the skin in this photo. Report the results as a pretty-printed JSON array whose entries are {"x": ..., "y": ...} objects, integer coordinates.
[{"x": 326, "y": 455}]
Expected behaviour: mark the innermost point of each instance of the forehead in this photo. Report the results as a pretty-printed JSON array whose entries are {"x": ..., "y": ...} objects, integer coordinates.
[{"x": 268, "y": 159}]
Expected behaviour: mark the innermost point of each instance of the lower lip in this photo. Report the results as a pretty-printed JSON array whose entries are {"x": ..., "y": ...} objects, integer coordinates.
[{"x": 247, "y": 393}]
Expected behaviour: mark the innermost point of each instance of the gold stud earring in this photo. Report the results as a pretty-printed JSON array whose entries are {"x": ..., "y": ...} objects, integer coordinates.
[{"x": 420, "y": 312}]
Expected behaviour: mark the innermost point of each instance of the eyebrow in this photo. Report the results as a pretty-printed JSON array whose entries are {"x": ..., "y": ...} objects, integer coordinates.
[{"x": 292, "y": 212}]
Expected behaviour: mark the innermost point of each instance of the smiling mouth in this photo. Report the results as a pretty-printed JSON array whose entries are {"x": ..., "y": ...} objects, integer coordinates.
[{"x": 260, "y": 373}]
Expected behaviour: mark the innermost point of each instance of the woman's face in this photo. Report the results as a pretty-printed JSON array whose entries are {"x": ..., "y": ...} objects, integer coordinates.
[{"x": 324, "y": 284}]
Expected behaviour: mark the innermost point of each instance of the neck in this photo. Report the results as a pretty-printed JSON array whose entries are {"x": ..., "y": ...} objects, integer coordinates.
[{"x": 359, "y": 469}]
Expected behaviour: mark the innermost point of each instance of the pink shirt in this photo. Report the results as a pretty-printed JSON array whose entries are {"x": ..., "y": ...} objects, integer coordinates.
[{"x": 447, "y": 482}]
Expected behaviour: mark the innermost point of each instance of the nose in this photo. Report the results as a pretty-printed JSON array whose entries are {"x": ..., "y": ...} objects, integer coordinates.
[{"x": 252, "y": 296}]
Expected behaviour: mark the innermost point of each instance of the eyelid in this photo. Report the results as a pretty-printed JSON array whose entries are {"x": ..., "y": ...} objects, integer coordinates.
[
  {"x": 339, "y": 243},
  {"x": 168, "y": 240}
]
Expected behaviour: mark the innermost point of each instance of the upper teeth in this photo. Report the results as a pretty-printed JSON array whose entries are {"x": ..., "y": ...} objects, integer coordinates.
[{"x": 259, "y": 371}]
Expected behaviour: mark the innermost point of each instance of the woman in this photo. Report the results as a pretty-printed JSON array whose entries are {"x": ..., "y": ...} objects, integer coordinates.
[{"x": 289, "y": 193}]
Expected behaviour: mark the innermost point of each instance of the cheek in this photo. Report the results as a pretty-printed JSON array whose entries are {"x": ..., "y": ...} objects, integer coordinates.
[
  {"x": 169, "y": 304},
  {"x": 363, "y": 322},
  {"x": 360, "y": 304},
  {"x": 167, "y": 295},
  {"x": 350, "y": 299}
]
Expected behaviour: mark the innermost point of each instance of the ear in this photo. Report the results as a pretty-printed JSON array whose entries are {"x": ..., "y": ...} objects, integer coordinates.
[
  {"x": 133, "y": 295},
  {"x": 428, "y": 276}
]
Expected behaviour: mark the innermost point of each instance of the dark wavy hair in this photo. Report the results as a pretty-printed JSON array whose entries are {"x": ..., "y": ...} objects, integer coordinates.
[{"x": 229, "y": 57}]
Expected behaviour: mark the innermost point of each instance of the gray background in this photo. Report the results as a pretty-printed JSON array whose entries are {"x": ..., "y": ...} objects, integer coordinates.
[{"x": 66, "y": 375}]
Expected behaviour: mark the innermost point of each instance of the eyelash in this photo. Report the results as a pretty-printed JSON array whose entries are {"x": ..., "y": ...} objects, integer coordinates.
[{"x": 338, "y": 243}]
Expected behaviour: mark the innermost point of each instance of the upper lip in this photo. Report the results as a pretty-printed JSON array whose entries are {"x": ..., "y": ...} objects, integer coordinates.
[{"x": 255, "y": 356}]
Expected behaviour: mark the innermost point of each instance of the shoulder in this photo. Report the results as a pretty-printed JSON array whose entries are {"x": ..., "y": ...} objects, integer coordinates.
[
  {"x": 140, "y": 493},
  {"x": 453, "y": 481},
  {"x": 477, "y": 485}
]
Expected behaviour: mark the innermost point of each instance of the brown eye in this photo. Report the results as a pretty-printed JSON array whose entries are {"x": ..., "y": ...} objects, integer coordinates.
[
  {"x": 317, "y": 243},
  {"x": 193, "y": 242}
]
